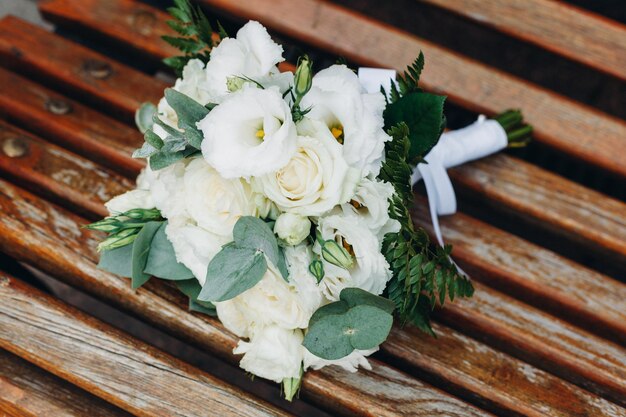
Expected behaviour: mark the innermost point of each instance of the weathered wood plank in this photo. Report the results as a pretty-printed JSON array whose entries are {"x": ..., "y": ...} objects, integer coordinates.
[
  {"x": 59, "y": 174},
  {"x": 27, "y": 391},
  {"x": 49, "y": 238},
  {"x": 80, "y": 349},
  {"x": 75, "y": 68},
  {"x": 556, "y": 26},
  {"x": 469, "y": 368},
  {"x": 570, "y": 127},
  {"x": 549, "y": 281},
  {"x": 70, "y": 124}
]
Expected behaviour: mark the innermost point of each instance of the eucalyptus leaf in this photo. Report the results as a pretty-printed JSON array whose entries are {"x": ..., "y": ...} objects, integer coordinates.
[
  {"x": 253, "y": 233},
  {"x": 356, "y": 296},
  {"x": 190, "y": 287},
  {"x": 144, "y": 115},
  {"x": 203, "y": 307},
  {"x": 232, "y": 271},
  {"x": 160, "y": 160},
  {"x": 117, "y": 261},
  {"x": 145, "y": 151},
  {"x": 162, "y": 261},
  {"x": 189, "y": 111},
  {"x": 140, "y": 251}
]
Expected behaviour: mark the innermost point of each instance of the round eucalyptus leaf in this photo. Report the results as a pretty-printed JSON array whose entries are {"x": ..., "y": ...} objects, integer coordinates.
[
  {"x": 368, "y": 326},
  {"x": 327, "y": 338}
]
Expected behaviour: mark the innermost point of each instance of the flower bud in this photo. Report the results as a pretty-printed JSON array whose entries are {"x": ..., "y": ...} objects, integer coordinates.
[
  {"x": 335, "y": 254},
  {"x": 316, "y": 268},
  {"x": 108, "y": 225},
  {"x": 142, "y": 214},
  {"x": 234, "y": 84},
  {"x": 291, "y": 386},
  {"x": 292, "y": 228},
  {"x": 123, "y": 238},
  {"x": 303, "y": 77}
]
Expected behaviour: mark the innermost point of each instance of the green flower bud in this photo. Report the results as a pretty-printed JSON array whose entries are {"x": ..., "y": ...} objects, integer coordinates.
[
  {"x": 335, "y": 254},
  {"x": 304, "y": 76},
  {"x": 316, "y": 268},
  {"x": 291, "y": 386},
  {"x": 142, "y": 214},
  {"x": 123, "y": 238},
  {"x": 234, "y": 83},
  {"x": 108, "y": 225}
]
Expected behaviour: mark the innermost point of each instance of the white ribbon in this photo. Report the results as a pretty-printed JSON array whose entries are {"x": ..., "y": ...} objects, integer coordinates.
[{"x": 481, "y": 138}]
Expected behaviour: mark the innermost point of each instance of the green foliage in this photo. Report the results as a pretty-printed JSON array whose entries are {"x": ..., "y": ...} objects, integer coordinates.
[
  {"x": 421, "y": 276},
  {"x": 409, "y": 82},
  {"x": 162, "y": 261},
  {"x": 144, "y": 115},
  {"x": 123, "y": 227},
  {"x": 140, "y": 252},
  {"x": 359, "y": 320},
  {"x": 191, "y": 288},
  {"x": 195, "y": 32},
  {"x": 117, "y": 261}
]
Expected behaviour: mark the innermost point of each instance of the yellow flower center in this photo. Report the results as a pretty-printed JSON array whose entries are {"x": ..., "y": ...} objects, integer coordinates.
[
  {"x": 337, "y": 132},
  {"x": 260, "y": 134}
]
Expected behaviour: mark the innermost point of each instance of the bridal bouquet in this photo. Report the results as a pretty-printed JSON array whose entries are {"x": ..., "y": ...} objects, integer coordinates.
[{"x": 281, "y": 202}]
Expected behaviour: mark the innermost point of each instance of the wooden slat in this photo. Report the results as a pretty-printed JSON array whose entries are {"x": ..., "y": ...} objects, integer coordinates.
[
  {"x": 568, "y": 126},
  {"x": 39, "y": 53},
  {"x": 554, "y": 25},
  {"x": 508, "y": 182},
  {"x": 50, "y": 239},
  {"x": 80, "y": 129},
  {"x": 27, "y": 391},
  {"x": 98, "y": 358},
  {"x": 468, "y": 367},
  {"x": 37, "y": 164},
  {"x": 583, "y": 296}
]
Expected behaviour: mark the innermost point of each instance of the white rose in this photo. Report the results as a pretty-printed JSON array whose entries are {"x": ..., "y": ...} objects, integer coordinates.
[
  {"x": 370, "y": 271},
  {"x": 273, "y": 353},
  {"x": 215, "y": 203},
  {"x": 310, "y": 294},
  {"x": 251, "y": 133},
  {"x": 130, "y": 200},
  {"x": 252, "y": 54},
  {"x": 371, "y": 203},
  {"x": 354, "y": 116},
  {"x": 168, "y": 190},
  {"x": 350, "y": 363},
  {"x": 194, "y": 247},
  {"x": 316, "y": 179},
  {"x": 272, "y": 301},
  {"x": 292, "y": 228}
]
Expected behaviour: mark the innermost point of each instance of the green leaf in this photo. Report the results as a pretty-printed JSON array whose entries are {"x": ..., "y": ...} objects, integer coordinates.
[
  {"x": 232, "y": 271},
  {"x": 203, "y": 307},
  {"x": 253, "y": 233},
  {"x": 423, "y": 114},
  {"x": 153, "y": 139},
  {"x": 190, "y": 287},
  {"x": 140, "y": 251},
  {"x": 162, "y": 261},
  {"x": 189, "y": 111},
  {"x": 143, "y": 116},
  {"x": 160, "y": 160},
  {"x": 187, "y": 45},
  {"x": 356, "y": 296},
  {"x": 117, "y": 261}
]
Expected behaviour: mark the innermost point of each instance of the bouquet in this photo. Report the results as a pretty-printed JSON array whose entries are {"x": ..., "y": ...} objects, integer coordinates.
[{"x": 280, "y": 202}]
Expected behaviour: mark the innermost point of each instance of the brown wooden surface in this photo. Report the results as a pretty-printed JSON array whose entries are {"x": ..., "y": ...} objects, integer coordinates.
[
  {"x": 81, "y": 129},
  {"x": 27, "y": 391},
  {"x": 37, "y": 52},
  {"x": 37, "y": 164},
  {"x": 554, "y": 25},
  {"x": 110, "y": 364},
  {"x": 49, "y": 238},
  {"x": 568, "y": 126}
]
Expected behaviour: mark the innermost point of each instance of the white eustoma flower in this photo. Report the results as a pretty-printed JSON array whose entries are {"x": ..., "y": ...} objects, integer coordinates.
[
  {"x": 351, "y": 363},
  {"x": 371, "y": 203},
  {"x": 215, "y": 203},
  {"x": 316, "y": 178},
  {"x": 252, "y": 54},
  {"x": 354, "y": 117},
  {"x": 251, "y": 133},
  {"x": 130, "y": 200},
  {"x": 273, "y": 353},
  {"x": 168, "y": 190},
  {"x": 370, "y": 271},
  {"x": 292, "y": 228}
]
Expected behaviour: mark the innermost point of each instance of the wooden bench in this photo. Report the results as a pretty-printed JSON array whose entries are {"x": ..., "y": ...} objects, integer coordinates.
[{"x": 544, "y": 335}]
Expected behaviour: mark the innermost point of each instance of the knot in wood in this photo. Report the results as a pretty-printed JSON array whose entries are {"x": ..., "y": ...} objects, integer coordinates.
[
  {"x": 143, "y": 21},
  {"x": 97, "y": 69},
  {"x": 14, "y": 148},
  {"x": 56, "y": 106}
]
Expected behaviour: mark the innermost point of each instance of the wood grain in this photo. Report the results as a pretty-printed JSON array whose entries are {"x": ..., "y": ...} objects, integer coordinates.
[
  {"x": 80, "y": 129},
  {"x": 61, "y": 175},
  {"x": 27, "y": 391},
  {"x": 556, "y": 26},
  {"x": 549, "y": 281},
  {"x": 100, "y": 359},
  {"x": 50, "y": 239},
  {"x": 568, "y": 126},
  {"x": 499, "y": 381},
  {"x": 40, "y": 53}
]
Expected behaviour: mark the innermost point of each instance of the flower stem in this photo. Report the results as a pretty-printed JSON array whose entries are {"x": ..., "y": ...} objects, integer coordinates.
[{"x": 518, "y": 133}]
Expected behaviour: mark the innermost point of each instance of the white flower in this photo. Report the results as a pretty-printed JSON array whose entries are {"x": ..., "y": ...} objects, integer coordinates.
[
  {"x": 252, "y": 54},
  {"x": 355, "y": 117},
  {"x": 310, "y": 294},
  {"x": 370, "y": 270},
  {"x": 273, "y": 353},
  {"x": 251, "y": 133},
  {"x": 215, "y": 203},
  {"x": 292, "y": 228},
  {"x": 168, "y": 190},
  {"x": 272, "y": 301},
  {"x": 316, "y": 179},
  {"x": 130, "y": 200},
  {"x": 194, "y": 246},
  {"x": 350, "y": 363},
  {"x": 371, "y": 203}
]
